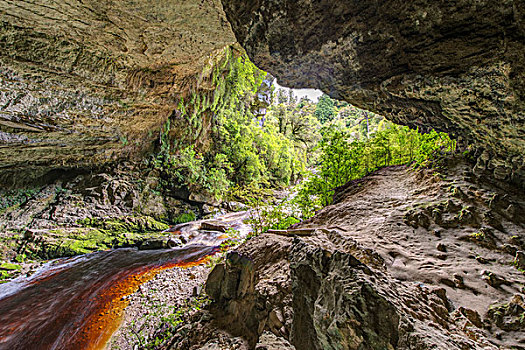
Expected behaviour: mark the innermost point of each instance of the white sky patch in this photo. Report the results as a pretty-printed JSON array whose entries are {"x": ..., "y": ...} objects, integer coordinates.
[{"x": 312, "y": 94}]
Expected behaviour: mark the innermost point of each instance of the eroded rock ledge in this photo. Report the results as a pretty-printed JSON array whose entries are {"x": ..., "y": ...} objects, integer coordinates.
[
  {"x": 308, "y": 297},
  {"x": 454, "y": 66},
  {"x": 90, "y": 83}
]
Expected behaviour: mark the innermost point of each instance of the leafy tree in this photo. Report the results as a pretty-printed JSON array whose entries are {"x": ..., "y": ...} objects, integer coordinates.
[
  {"x": 325, "y": 110},
  {"x": 344, "y": 158}
]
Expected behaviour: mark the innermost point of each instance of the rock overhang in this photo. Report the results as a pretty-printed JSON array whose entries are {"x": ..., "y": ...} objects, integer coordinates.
[
  {"x": 89, "y": 83},
  {"x": 455, "y": 66}
]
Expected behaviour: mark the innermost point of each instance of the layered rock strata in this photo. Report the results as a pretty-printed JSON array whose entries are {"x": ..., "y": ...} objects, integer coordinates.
[{"x": 87, "y": 83}]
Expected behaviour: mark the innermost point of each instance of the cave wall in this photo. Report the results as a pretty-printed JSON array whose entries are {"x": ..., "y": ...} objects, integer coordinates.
[
  {"x": 456, "y": 66},
  {"x": 87, "y": 83}
]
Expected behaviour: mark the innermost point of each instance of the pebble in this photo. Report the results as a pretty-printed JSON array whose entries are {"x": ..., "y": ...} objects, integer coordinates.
[{"x": 159, "y": 297}]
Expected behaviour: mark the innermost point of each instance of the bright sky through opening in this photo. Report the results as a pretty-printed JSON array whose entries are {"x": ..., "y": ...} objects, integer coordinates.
[{"x": 312, "y": 94}]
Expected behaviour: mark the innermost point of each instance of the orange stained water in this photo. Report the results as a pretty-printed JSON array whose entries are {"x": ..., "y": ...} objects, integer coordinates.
[
  {"x": 104, "y": 322},
  {"x": 78, "y": 305}
]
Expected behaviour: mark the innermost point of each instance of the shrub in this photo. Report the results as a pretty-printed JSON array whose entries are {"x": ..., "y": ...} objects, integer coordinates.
[
  {"x": 185, "y": 217},
  {"x": 343, "y": 158}
]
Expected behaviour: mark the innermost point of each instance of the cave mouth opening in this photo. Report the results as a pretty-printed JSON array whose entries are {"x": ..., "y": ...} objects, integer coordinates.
[
  {"x": 339, "y": 142},
  {"x": 249, "y": 134}
]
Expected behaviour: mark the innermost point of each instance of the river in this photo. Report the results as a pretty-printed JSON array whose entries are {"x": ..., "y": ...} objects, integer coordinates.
[{"x": 77, "y": 303}]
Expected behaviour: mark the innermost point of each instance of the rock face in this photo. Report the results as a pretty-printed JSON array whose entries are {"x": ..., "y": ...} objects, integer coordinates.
[
  {"x": 401, "y": 260},
  {"x": 87, "y": 213},
  {"x": 331, "y": 293},
  {"x": 454, "y": 66},
  {"x": 322, "y": 299},
  {"x": 86, "y": 83}
]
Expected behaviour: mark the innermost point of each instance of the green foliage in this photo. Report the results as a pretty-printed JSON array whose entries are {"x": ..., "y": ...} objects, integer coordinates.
[
  {"x": 256, "y": 154},
  {"x": 9, "y": 271},
  {"x": 3, "y": 276},
  {"x": 20, "y": 258},
  {"x": 325, "y": 110},
  {"x": 344, "y": 158},
  {"x": 253, "y": 152},
  {"x": 295, "y": 121},
  {"x": 264, "y": 216},
  {"x": 253, "y": 149},
  {"x": 245, "y": 151},
  {"x": 167, "y": 320},
  {"x": 65, "y": 242},
  {"x": 241, "y": 193},
  {"x": 188, "y": 168},
  {"x": 9, "y": 267},
  {"x": 286, "y": 222},
  {"x": 16, "y": 197},
  {"x": 308, "y": 198},
  {"x": 185, "y": 217}
]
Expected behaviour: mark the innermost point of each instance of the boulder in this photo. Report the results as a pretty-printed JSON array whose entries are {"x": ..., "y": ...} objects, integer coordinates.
[
  {"x": 160, "y": 243},
  {"x": 203, "y": 197},
  {"x": 234, "y": 206},
  {"x": 214, "y": 226}
]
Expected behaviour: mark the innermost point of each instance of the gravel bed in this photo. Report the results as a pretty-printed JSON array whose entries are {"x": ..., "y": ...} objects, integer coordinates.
[{"x": 154, "y": 301}]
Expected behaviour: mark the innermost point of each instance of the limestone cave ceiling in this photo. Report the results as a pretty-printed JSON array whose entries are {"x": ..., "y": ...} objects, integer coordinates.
[
  {"x": 86, "y": 82},
  {"x": 457, "y": 66}
]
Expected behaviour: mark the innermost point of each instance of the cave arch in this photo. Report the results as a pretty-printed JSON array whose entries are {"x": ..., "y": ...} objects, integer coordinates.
[
  {"x": 80, "y": 94},
  {"x": 455, "y": 66}
]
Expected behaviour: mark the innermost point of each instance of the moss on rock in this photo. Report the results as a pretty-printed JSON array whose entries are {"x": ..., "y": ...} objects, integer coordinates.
[
  {"x": 9, "y": 267},
  {"x": 95, "y": 235},
  {"x": 139, "y": 224}
]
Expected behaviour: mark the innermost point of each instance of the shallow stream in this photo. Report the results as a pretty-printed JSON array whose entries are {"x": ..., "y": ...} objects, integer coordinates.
[{"x": 77, "y": 303}]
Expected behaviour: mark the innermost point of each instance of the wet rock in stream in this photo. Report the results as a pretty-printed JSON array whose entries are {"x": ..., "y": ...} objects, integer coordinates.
[{"x": 163, "y": 243}]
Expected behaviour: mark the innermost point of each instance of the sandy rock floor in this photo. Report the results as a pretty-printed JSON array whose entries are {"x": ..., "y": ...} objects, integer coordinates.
[{"x": 435, "y": 231}]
